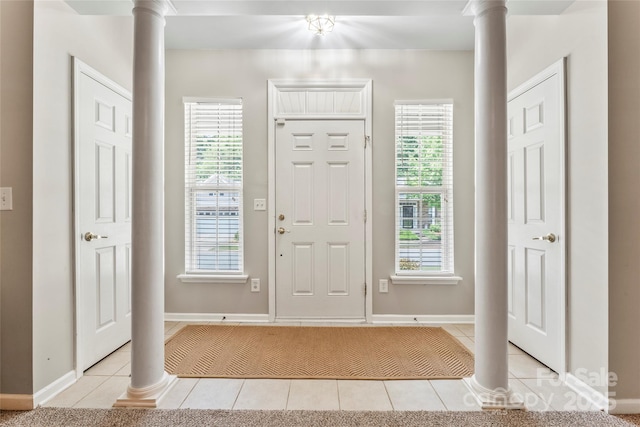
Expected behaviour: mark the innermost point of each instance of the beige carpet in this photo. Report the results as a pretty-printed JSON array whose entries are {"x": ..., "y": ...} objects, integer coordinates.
[
  {"x": 63, "y": 417},
  {"x": 372, "y": 353}
]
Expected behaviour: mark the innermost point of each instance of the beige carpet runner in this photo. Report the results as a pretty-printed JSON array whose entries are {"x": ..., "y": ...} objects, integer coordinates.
[
  {"x": 72, "y": 417},
  {"x": 380, "y": 353}
]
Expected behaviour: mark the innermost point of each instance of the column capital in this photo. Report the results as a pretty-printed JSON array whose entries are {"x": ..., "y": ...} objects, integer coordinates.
[
  {"x": 160, "y": 7},
  {"x": 480, "y": 7}
]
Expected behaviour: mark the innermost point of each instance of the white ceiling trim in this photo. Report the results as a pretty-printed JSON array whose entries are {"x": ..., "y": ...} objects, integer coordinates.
[
  {"x": 304, "y": 7},
  {"x": 280, "y": 24}
]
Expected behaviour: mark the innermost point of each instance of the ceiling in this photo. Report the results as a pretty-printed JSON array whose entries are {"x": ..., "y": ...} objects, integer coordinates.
[{"x": 280, "y": 24}]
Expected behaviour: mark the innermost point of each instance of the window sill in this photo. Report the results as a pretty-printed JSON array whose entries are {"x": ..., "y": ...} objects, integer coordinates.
[
  {"x": 425, "y": 280},
  {"x": 233, "y": 279}
]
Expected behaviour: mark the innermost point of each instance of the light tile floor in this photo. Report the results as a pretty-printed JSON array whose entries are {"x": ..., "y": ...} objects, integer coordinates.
[{"x": 106, "y": 381}]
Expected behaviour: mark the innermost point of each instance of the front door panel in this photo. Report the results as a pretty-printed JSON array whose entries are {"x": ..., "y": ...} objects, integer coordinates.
[{"x": 320, "y": 247}]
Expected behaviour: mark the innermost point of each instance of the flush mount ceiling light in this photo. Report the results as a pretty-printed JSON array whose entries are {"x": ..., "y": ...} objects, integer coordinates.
[{"x": 321, "y": 24}]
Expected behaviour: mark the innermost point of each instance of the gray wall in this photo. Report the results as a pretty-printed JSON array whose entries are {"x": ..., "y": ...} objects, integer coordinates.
[
  {"x": 396, "y": 74},
  {"x": 533, "y": 44},
  {"x": 16, "y": 170},
  {"x": 106, "y": 44},
  {"x": 624, "y": 197}
]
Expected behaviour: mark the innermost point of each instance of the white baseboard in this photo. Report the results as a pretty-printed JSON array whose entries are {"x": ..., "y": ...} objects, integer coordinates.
[
  {"x": 49, "y": 391},
  {"x": 624, "y": 406},
  {"x": 423, "y": 319},
  {"x": 594, "y": 397},
  {"x": 264, "y": 318},
  {"x": 16, "y": 402},
  {"x": 216, "y": 317}
]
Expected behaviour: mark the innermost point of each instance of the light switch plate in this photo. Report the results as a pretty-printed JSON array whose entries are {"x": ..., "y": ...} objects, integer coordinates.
[
  {"x": 259, "y": 204},
  {"x": 6, "y": 199},
  {"x": 255, "y": 285},
  {"x": 383, "y": 286}
]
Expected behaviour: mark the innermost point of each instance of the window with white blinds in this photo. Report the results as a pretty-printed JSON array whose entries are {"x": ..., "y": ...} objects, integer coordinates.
[
  {"x": 213, "y": 186},
  {"x": 424, "y": 188}
]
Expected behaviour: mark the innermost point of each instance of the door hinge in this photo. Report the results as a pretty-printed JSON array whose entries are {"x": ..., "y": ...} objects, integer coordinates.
[
  {"x": 367, "y": 140},
  {"x": 365, "y": 289},
  {"x": 365, "y": 216},
  {"x": 280, "y": 122}
]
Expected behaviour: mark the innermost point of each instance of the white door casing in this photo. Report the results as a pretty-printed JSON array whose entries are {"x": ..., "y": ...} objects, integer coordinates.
[
  {"x": 330, "y": 101},
  {"x": 102, "y": 149},
  {"x": 536, "y": 213},
  {"x": 320, "y": 209}
]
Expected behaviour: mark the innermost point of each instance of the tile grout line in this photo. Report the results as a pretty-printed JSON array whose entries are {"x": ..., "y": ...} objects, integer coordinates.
[
  {"x": 435, "y": 390},
  {"x": 235, "y": 401},
  {"x": 384, "y": 384},
  {"x": 286, "y": 405},
  {"x": 288, "y": 396},
  {"x": 188, "y": 394}
]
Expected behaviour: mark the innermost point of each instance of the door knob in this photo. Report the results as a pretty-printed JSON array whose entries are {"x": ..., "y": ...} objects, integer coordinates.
[
  {"x": 549, "y": 238},
  {"x": 89, "y": 236},
  {"x": 282, "y": 230}
]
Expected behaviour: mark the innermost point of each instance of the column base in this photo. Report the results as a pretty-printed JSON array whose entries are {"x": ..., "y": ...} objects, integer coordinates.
[
  {"x": 147, "y": 397},
  {"x": 494, "y": 399}
]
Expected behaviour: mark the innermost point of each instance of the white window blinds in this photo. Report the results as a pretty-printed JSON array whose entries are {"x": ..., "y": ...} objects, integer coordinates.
[
  {"x": 213, "y": 186},
  {"x": 424, "y": 188}
]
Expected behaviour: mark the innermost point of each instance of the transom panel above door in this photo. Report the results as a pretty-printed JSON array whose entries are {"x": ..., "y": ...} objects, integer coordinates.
[{"x": 319, "y": 199}]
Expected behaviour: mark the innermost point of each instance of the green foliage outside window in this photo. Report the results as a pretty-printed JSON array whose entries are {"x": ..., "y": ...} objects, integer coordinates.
[
  {"x": 220, "y": 155},
  {"x": 420, "y": 160},
  {"x": 408, "y": 235}
]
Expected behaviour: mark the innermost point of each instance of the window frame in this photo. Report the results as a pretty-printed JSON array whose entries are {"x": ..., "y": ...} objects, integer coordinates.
[
  {"x": 192, "y": 273},
  {"x": 446, "y": 274}
]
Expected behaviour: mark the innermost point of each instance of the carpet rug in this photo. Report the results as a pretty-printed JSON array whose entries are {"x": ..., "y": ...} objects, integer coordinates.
[
  {"x": 331, "y": 352},
  {"x": 64, "y": 417}
]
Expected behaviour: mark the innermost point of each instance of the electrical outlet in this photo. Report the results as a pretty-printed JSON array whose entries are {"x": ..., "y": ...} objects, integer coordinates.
[
  {"x": 6, "y": 199},
  {"x": 259, "y": 204},
  {"x": 255, "y": 285},
  {"x": 383, "y": 286}
]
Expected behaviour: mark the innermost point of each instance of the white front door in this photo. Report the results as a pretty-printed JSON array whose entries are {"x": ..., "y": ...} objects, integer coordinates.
[
  {"x": 103, "y": 197},
  {"x": 320, "y": 219},
  {"x": 536, "y": 220}
]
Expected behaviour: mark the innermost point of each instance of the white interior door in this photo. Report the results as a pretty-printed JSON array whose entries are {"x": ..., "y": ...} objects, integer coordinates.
[
  {"x": 536, "y": 220},
  {"x": 103, "y": 197},
  {"x": 320, "y": 219}
]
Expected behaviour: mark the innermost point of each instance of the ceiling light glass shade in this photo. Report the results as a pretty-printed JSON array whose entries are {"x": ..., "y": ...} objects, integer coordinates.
[{"x": 321, "y": 24}]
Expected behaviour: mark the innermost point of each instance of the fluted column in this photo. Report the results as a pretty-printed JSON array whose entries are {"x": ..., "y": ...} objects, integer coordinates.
[
  {"x": 490, "y": 383},
  {"x": 149, "y": 381}
]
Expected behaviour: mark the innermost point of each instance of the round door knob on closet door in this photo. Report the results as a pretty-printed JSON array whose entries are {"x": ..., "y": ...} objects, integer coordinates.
[
  {"x": 89, "y": 236},
  {"x": 282, "y": 230},
  {"x": 549, "y": 238}
]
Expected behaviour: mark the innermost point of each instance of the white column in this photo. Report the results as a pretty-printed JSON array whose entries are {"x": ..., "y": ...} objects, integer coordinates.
[
  {"x": 490, "y": 383},
  {"x": 149, "y": 381}
]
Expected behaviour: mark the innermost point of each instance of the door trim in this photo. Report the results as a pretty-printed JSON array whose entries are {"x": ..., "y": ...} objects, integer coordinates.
[
  {"x": 80, "y": 68},
  {"x": 558, "y": 68},
  {"x": 275, "y": 110}
]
